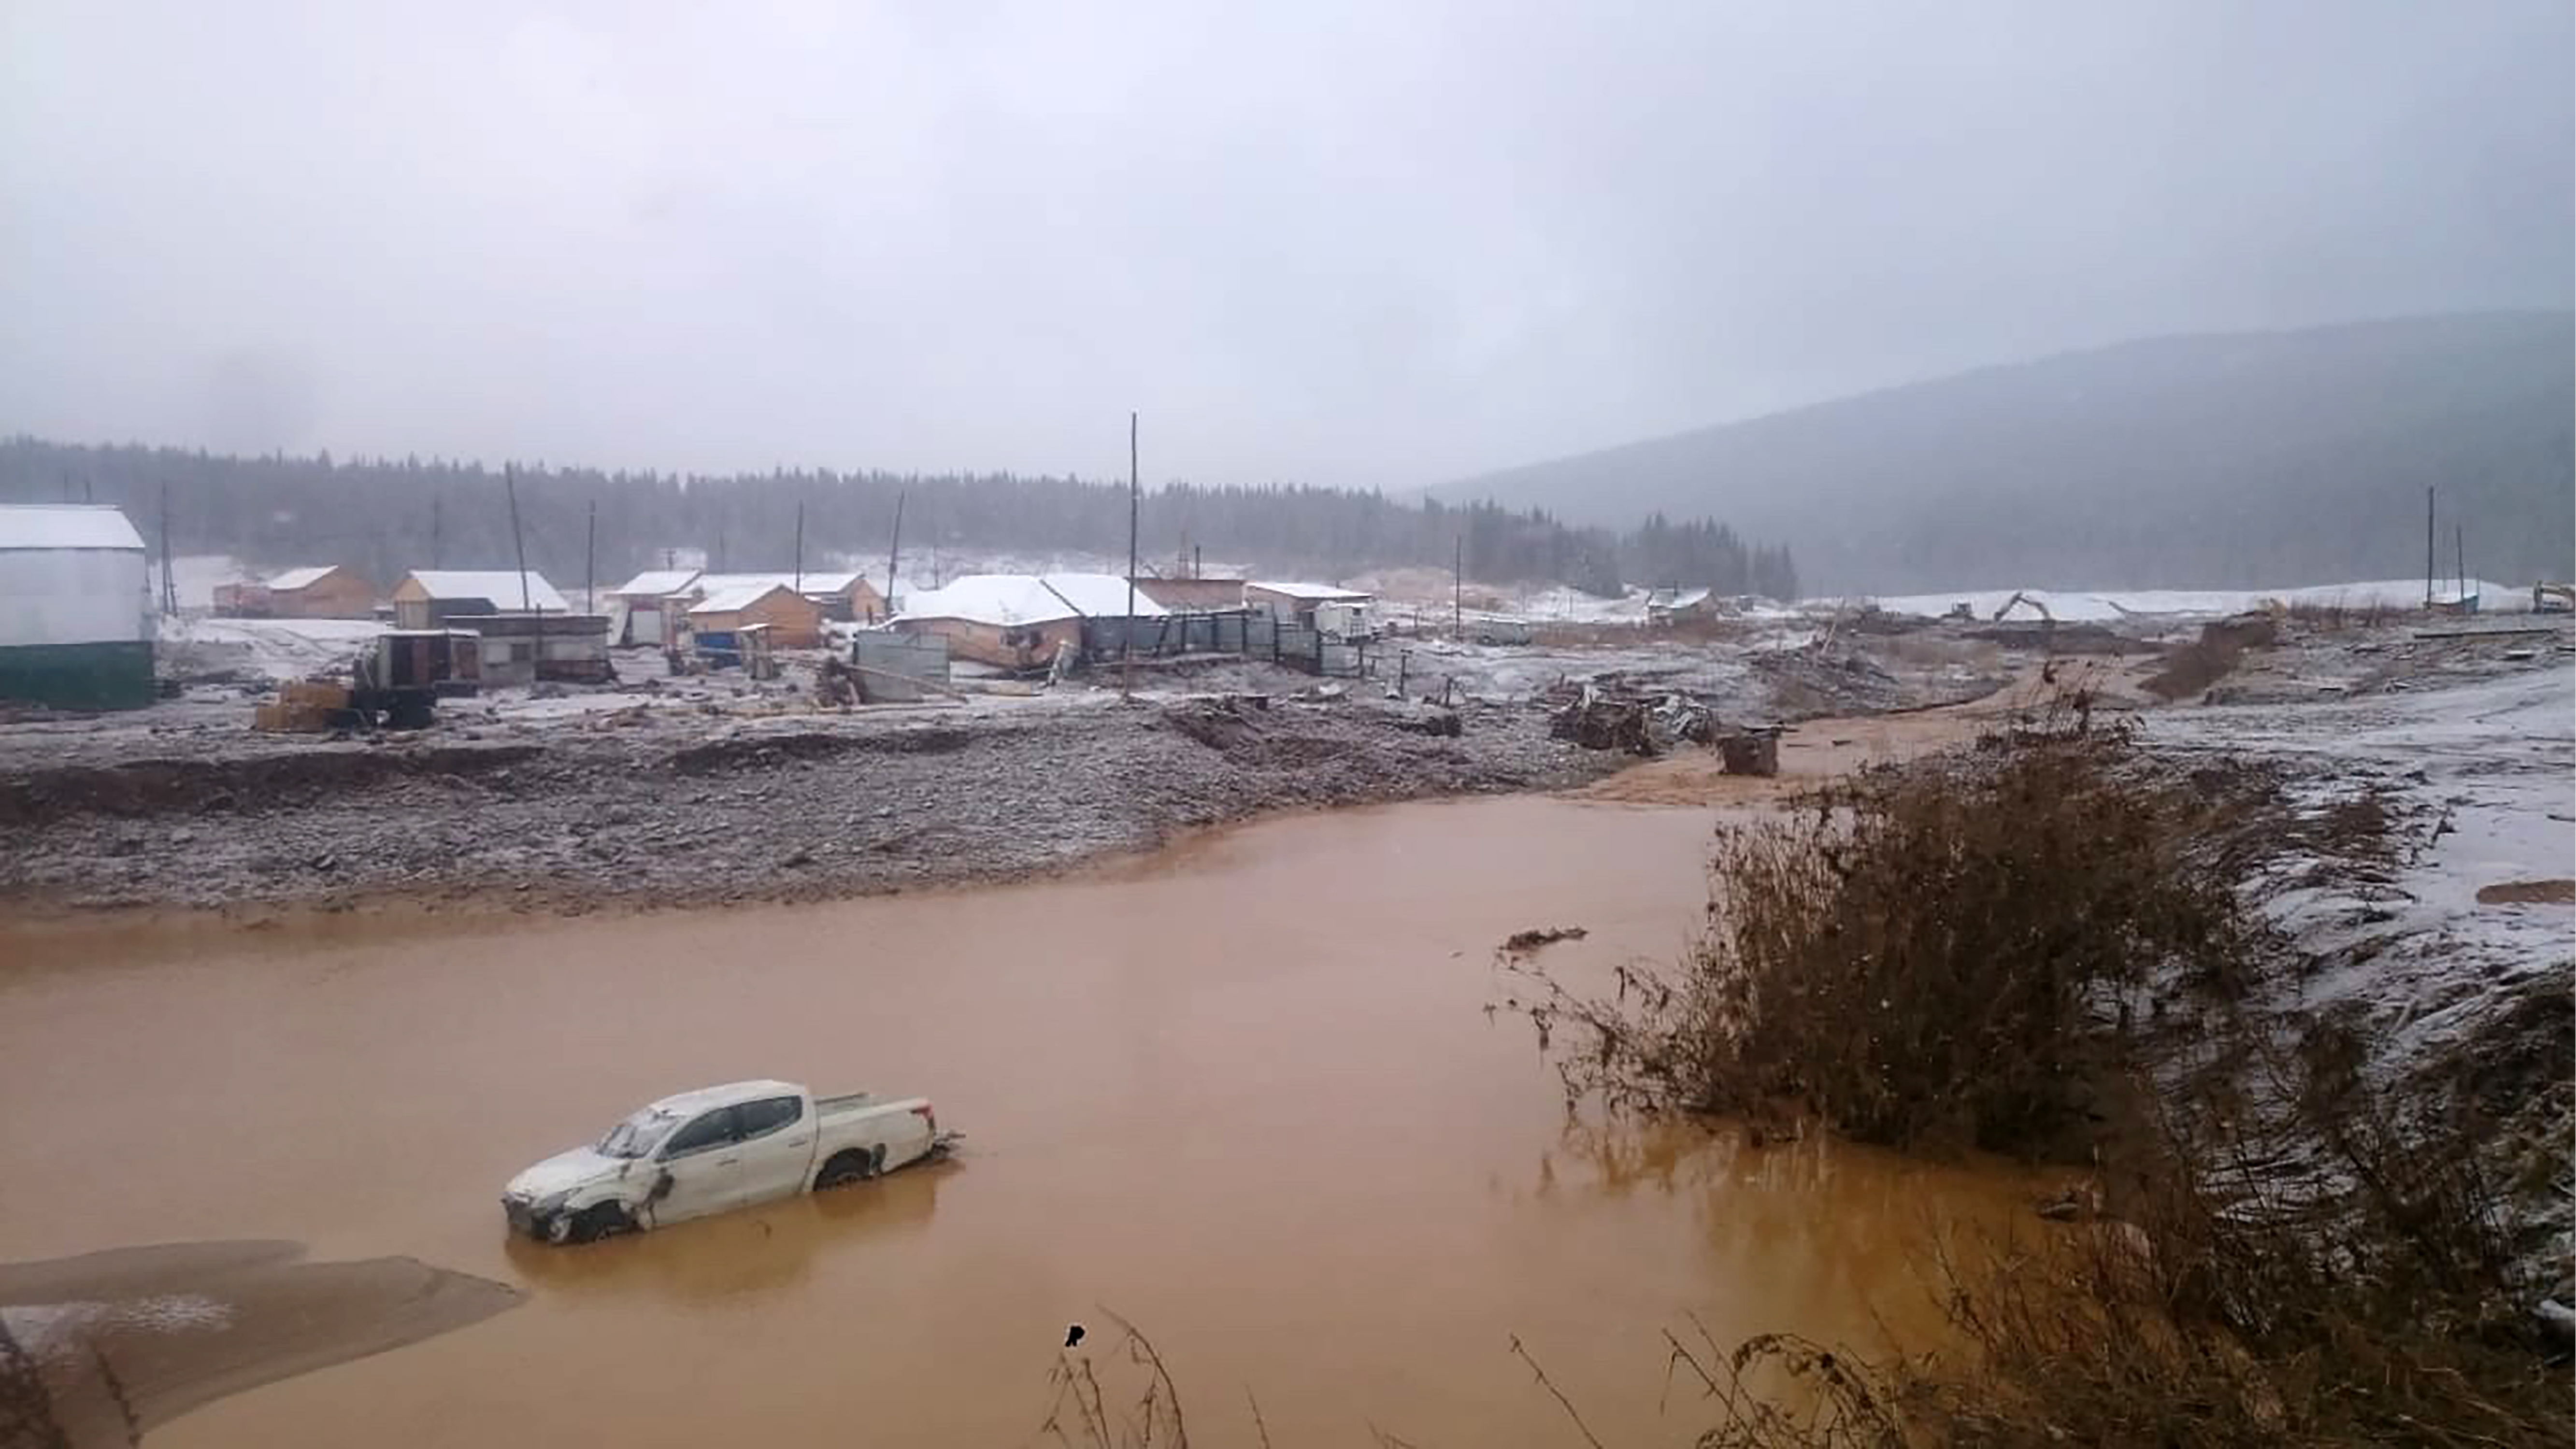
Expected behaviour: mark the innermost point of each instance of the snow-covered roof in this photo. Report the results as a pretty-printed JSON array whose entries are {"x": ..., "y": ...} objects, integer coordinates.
[
  {"x": 294, "y": 579},
  {"x": 1685, "y": 599},
  {"x": 656, "y": 583},
  {"x": 814, "y": 581},
  {"x": 1318, "y": 592},
  {"x": 66, "y": 525},
  {"x": 1027, "y": 599},
  {"x": 737, "y": 596},
  {"x": 500, "y": 586}
]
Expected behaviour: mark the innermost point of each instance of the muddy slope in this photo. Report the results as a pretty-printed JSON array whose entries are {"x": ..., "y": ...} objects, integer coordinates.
[{"x": 814, "y": 807}]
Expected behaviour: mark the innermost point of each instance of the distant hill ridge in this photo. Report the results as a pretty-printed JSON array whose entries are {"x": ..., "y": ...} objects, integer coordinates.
[{"x": 2234, "y": 460}]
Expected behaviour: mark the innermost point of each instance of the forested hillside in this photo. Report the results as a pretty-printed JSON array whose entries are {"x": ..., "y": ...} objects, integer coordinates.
[
  {"x": 2232, "y": 461},
  {"x": 387, "y": 516}
]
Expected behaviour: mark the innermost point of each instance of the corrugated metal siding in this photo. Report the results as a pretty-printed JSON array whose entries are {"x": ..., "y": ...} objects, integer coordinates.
[
  {"x": 112, "y": 675},
  {"x": 74, "y": 596}
]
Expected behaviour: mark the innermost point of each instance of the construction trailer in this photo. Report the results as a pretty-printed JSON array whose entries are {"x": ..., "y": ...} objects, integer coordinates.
[
  {"x": 519, "y": 650},
  {"x": 76, "y": 617},
  {"x": 1295, "y": 603}
]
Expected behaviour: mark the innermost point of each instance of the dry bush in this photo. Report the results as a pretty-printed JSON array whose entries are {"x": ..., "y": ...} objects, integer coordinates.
[
  {"x": 2337, "y": 615},
  {"x": 1950, "y": 951},
  {"x": 1928, "y": 954}
]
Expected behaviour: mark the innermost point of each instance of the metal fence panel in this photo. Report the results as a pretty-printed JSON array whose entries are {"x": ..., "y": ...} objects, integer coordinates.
[{"x": 890, "y": 663}]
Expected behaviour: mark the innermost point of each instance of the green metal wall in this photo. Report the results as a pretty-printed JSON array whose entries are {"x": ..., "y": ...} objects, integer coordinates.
[{"x": 112, "y": 675}]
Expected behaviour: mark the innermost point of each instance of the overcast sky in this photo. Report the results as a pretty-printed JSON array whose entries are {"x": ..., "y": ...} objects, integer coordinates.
[{"x": 1370, "y": 243}]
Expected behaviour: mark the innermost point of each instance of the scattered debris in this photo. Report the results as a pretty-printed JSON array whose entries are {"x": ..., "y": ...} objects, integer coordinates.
[{"x": 1522, "y": 943}]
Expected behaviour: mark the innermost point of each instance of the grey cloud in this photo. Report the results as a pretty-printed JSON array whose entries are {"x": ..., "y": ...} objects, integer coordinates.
[{"x": 1345, "y": 243}]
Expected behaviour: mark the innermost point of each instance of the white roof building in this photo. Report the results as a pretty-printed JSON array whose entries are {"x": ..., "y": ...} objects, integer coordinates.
[
  {"x": 499, "y": 587},
  {"x": 656, "y": 583},
  {"x": 66, "y": 525},
  {"x": 1014, "y": 599},
  {"x": 1312, "y": 593}
]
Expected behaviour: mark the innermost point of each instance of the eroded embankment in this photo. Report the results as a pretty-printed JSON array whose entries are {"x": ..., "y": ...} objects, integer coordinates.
[{"x": 812, "y": 808}]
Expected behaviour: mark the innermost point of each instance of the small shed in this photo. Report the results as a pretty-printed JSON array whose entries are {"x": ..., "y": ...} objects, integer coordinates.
[
  {"x": 844, "y": 596},
  {"x": 638, "y": 609},
  {"x": 429, "y": 598},
  {"x": 322, "y": 591},
  {"x": 1193, "y": 596},
  {"x": 520, "y": 649},
  {"x": 1293, "y": 603},
  {"x": 76, "y": 619},
  {"x": 795, "y": 621},
  {"x": 1019, "y": 621},
  {"x": 1668, "y": 606}
]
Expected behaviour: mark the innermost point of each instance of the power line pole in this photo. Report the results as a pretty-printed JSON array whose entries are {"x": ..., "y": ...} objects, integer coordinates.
[
  {"x": 800, "y": 545},
  {"x": 169, "y": 581},
  {"x": 510, "y": 481},
  {"x": 894, "y": 554},
  {"x": 1127, "y": 626},
  {"x": 2459, "y": 542},
  {"x": 1458, "y": 588},
  {"x": 436, "y": 531},
  {"x": 590, "y": 560},
  {"x": 2428, "y": 545}
]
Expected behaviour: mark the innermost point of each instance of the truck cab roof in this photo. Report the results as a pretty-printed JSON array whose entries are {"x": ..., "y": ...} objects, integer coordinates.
[{"x": 731, "y": 1093}]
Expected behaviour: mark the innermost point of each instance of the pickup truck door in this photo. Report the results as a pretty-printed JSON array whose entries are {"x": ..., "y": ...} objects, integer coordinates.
[
  {"x": 777, "y": 1148},
  {"x": 701, "y": 1169}
]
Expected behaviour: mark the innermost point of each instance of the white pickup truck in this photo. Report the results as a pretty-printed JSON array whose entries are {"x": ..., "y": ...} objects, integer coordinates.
[{"x": 712, "y": 1150}]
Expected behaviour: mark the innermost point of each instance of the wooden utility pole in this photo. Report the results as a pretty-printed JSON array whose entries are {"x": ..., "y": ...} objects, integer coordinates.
[
  {"x": 169, "y": 581},
  {"x": 800, "y": 545},
  {"x": 590, "y": 560},
  {"x": 894, "y": 554},
  {"x": 1127, "y": 627},
  {"x": 510, "y": 482},
  {"x": 720, "y": 546},
  {"x": 435, "y": 532},
  {"x": 2428, "y": 545},
  {"x": 2459, "y": 542},
  {"x": 1458, "y": 588}
]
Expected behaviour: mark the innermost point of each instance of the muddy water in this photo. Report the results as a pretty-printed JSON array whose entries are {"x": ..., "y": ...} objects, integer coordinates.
[{"x": 1243, "y": 1094}]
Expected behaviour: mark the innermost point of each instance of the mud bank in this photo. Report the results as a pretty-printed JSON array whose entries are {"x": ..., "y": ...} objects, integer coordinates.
[
  {"x": 803, "y": 807},
  {"x": 100, "y": 1349}
]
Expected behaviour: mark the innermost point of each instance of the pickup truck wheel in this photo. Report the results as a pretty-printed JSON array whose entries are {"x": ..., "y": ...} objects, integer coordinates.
[
  {"x": 845, "y": 1168},
  {"x": 600, "y": 1220}
]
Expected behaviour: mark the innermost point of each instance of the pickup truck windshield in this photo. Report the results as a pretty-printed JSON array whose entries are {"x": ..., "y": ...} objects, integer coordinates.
[{"x": 638, "y": 1135}]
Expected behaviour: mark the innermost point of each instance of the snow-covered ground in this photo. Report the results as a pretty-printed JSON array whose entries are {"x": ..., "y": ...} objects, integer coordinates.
[
  {"x": 271, "y": 648},
  {"x": 2109, "y": 604},
  {"x": 2488, "y": 771}
]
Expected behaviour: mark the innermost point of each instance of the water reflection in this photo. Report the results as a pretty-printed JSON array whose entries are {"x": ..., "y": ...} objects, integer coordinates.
[{"x": 735, "y": 1260}]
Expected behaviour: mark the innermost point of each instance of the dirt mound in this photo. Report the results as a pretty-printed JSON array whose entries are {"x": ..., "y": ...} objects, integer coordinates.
[
  {"x": 761, "y": 752},
  {"x": 2193, "y": 667},
  {"x": 2529, "y": 893}
]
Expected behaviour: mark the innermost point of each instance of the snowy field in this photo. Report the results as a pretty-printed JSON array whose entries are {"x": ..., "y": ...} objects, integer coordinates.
[
  {"x": 2110, "y": 604},
  {"x": 2488, "y": 771}
]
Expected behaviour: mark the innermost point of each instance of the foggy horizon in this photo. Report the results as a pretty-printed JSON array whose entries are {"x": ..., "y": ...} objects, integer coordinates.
[{"x": 712, "y": 243}]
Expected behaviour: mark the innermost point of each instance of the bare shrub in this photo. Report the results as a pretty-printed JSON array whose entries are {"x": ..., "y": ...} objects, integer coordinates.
[{"x": 1923, "y": 955}]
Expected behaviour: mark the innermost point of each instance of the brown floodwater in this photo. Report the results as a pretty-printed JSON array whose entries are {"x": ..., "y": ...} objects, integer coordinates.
[{"x": 1243, "y": 1093}]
